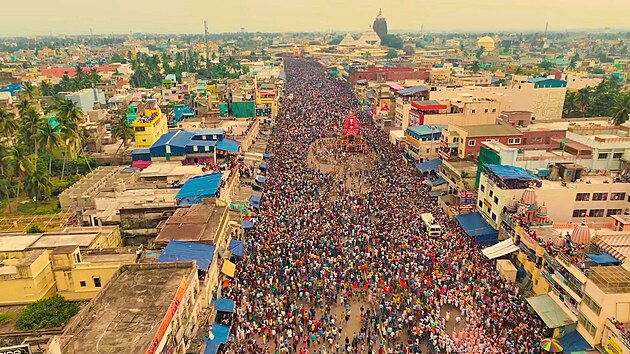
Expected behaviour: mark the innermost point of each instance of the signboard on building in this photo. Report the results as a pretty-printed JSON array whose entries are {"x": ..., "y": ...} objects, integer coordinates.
[
  {"x": 466, "y": 201},
  {"x": 18, "y": 349},
  {"x": 166, "y": 321},
  {"x": 416, "y": 118}
]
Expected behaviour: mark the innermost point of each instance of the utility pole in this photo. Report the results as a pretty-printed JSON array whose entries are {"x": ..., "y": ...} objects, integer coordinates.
[{"x": 546, "y": 28}]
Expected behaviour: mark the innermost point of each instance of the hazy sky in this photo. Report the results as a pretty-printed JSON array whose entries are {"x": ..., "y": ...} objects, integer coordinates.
[{"x": 186, "y": 16}]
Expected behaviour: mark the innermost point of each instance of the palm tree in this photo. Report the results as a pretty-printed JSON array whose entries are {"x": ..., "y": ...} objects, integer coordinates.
[
  {"x": 621, "y": 108},
  {"x": 67, "y": 109},
  {"x": 5, "y": 188},
  {"x": 20, "y": 163},
  {"x": 583, "y": 99},
  {"x": 28, "y": 128},
  {"x": 29, "y": 91},
  {"x": 23, "y": 106},
  {"x": 47, "y": 138},
  {"x": 8, "y": 124},
  {"x": 38, "y": 185},
  {"x": 122, "y": 130},
  {"x": 570, "y": 104}
]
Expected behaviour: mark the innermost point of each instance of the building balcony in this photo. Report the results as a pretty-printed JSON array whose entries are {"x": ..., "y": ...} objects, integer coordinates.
[{"x": 620, "y": 331}]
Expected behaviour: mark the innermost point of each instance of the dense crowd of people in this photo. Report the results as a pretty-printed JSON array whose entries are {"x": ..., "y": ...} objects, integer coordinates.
[{"x": 320, "y": 252}]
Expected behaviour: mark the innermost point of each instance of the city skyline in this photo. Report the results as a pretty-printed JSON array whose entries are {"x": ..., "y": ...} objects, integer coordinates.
[{"x": 121, "y": 17}]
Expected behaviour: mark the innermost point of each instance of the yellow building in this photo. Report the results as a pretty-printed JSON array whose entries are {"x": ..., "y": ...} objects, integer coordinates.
[
  {"x": 149, "y": 125},
  {"x": 266, "y": 102},
  {"x": 27, "y": 279}
]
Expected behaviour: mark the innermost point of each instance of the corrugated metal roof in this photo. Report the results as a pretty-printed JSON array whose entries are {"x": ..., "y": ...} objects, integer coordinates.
[
  {"x": 617, "y": 245},
  {"x": 182, "y": 251},
  {"x": 412, "y": 90},
  {"x": 228, "y": 145}
]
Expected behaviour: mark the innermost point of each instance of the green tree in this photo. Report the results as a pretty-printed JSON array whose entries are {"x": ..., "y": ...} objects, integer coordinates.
[
  {"x": 38, "y": 185},
  {"x": 29, "y": 91},
  {"x": 621, "y": 108},
  {"x": 392, "y": 53},
  {"x": 570, "y": 104},
  {"x": 52, "y": 312},
  {"x": 20, "y": 162},
  {"x": 23, "y": 106},
  {"x": 48, "y": 138},
  {"x": 122, "y": 130},
  {"x": 583, "y": 99},
  {"x": 8, "y": 124},
  {"x": 28, "y": 128},
  {"x": 545, "y": 65},
  {"x": 392, "y": 41},
  {"x": 336, "y": 40},
  {"x": 34, "y": 229},
  {"x": 475, "y": 67}
]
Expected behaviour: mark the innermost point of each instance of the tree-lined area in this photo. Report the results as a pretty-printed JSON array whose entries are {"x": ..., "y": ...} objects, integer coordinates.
[{"x": 605, "y": 100}]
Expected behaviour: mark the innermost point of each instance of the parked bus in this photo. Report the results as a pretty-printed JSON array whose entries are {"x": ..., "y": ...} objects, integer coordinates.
[{"x": 432, "y": 226}]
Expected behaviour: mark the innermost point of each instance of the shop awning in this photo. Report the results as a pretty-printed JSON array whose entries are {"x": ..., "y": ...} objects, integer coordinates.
[
  {"x": 438, "y": 182},
  {"x": 500, "y": 249},
  {"x": 549, "y": 311},
  {"x": 262, "y": 166},
  {"x": 228, "y": 268},
  {"x": 429, "y": 165},
  {"x": 247, "y": 224},
  {"x": 603, "y": 259},
  {"x": 218, "y": 336},
  {"x": 261, "y": 179},
  {"x": 254, "y": 201},
  {"x": 224, "y": 305},
  {"x": 476, "y": 226},
  {"x": 236, "y": 247}
]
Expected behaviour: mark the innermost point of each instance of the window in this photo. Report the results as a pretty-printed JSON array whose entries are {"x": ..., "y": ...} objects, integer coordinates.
[
  {"x": 600, "y": 196},
  {"x": 483, "y": 188},
  {"x": 494, "y": 216},
  {"x": 496, "y": 200},
  {"x": 583, "y": 197},
  {"x": 514, "y": 141},
  {"x": 617, "y": 155},
  {"x": 82, "y": 283},
  {"x": 97, "y": 282},
  {"x": 491, "y": 193},
  {"x": 592, "y": 304},
  {"x": 480, "y": 204},
  {"x": 602, "y": 156},
  {"x": 596, "y": 213},
  {"x": 456, "y": 139},
  {"x": 138, "y": 129},
  {"x": 587, "y": 324},
  {"x": 577, "y": 213},
  {"x": 485, "y": 110},
  {"x": 472, "y": 142},
  {"x": 473, "y": 111},
  {"x": 618, "y": 196},
  {"x": 611, "y": 212},
  {"x": 494, "y": 110}
]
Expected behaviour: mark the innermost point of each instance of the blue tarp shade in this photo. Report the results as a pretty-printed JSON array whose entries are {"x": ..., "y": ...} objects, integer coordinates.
[
  {"x": 429, "y": 165},
  {"x": 543, "y": 172},
  {"x": 254, "y": 201},
  {"x": 236, "y": 247},
  {"x": 266, "y": 155},
  {"x": 180, "y": 251},
  {"x": 603, "y": 259},
  {"x": 247, "y": 224},
  {"x": 437, "y": 182},
  {"x": 574, "y": 343},
  {"x": 228, "y": 145},
  {"x": 262, "y": 166},
  {"x": 510, "y": 172},
  {"x": 224, "y": 305},
  {"x": 220, "y": 333},
  {"x": 475, "y": 226},
  {"x": 261, "y": 179},
  {"x": 198, "y": 187}
]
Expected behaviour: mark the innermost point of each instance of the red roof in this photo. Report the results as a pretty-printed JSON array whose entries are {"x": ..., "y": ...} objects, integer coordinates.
[
  {"x": 429, "y": 105},
  {"x": 71, "y": 71}
]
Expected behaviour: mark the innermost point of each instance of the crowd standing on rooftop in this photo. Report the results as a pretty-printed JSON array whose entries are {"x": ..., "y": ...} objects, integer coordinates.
[{"x": 319, "y": 247}]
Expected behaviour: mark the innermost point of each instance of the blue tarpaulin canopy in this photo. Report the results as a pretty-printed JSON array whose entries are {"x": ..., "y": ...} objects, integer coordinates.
[
  {"x": 220, "y": 333},
  {"x": 262, "y": 166},
  {"x": 198, "y": 187},
  {"x": 266, "y": 155},
  {"x": 603, "y": 259},
  {"x": 438, "y": 182},
  {"x": 180, "y": 251},
  {"x": 261, "y": 179},
  {"x": 247, "y": 224},
  {"x": 574, "y": 343},
  {"x": 236, "y": 247},
  {"x": 224, "y": 305},
  {"x": 254, "y": 201},
  {"x": 475, "y": 226},
  {"x": 510, "y": 172},
  {"x": 429, "y": 165},
  {"x": 228, "y": 145}
]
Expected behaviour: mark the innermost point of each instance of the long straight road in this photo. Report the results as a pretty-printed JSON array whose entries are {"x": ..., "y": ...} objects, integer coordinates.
[{"x": 362, "y": 262}]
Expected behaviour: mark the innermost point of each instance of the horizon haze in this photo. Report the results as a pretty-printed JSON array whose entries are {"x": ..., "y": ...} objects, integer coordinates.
[{"x": 160, "y": 16}]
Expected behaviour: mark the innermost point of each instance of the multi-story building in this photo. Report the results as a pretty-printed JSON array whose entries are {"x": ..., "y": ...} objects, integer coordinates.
[
  {"x": 422, "y": 142},
  {"x": 463, "y": 110},
  {"x": 266, "y": 99},
  {"x": 150, "y": 124},
  {"x": 145, "y": 308},
  {"x": 465, "y": 141},
  {"x": 404, "y": 99},
  {"x": 382, "y": 74},
  {"x": 383, "y": 104},
  {"x": 87, "y": 98}
]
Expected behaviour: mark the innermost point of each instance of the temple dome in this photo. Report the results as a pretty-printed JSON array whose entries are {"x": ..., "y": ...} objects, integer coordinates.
[
  {"x": 581, "y": 234},
  {"x": 369, "y": 38},
  {"x": 486, "y": 42}
]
